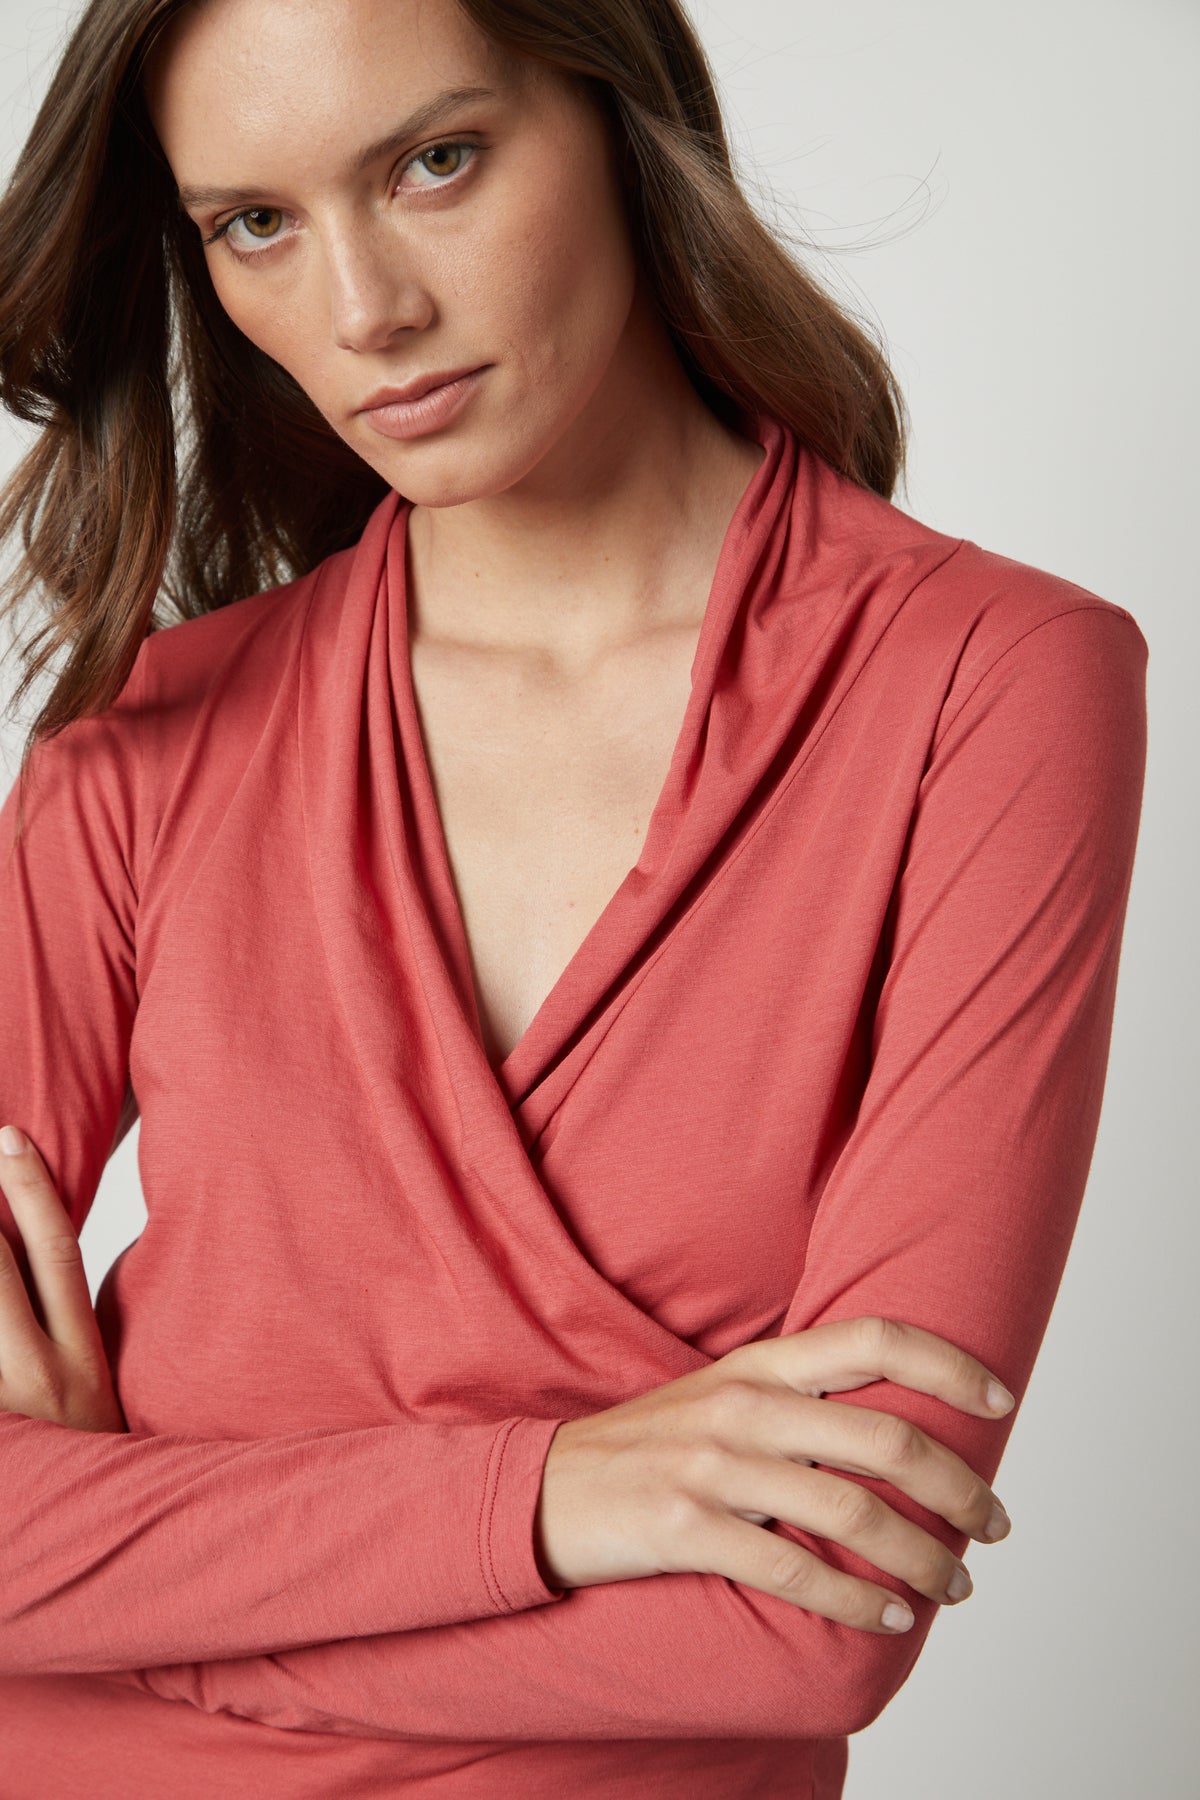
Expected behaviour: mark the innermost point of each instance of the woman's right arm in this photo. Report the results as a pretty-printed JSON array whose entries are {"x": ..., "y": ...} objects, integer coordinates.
[{"x": 127, "y": 1550}]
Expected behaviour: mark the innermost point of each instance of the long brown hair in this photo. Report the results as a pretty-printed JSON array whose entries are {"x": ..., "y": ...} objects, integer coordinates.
[{"x": 174, "y": 459}]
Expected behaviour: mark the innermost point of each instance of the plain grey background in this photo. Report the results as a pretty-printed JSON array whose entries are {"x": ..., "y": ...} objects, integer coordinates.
[{"x": 1009, "y": 196}]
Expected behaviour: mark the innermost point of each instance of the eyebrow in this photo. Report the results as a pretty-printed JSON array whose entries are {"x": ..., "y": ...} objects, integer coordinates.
[{"x": 417, "y": 122}]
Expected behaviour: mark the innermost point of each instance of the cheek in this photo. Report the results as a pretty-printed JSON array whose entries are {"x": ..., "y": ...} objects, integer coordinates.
[
  {"x": 251, "y": 312},
  {"x": 284, "y": 331},
  {"x": 557, "y": 276}
]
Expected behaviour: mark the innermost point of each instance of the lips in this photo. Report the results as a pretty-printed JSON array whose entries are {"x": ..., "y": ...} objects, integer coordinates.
[
  {"x": 436, "y": 409},
  {"x": 416, "y": 388}
]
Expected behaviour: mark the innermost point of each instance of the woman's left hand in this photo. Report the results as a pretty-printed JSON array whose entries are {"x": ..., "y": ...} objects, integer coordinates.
[{"x": 61, "y": 1372}]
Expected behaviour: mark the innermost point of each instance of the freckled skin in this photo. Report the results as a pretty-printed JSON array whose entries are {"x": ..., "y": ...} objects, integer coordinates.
[{"x": 525, "y": 262}]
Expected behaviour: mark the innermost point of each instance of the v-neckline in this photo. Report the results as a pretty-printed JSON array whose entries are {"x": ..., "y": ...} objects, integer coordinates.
[{"x": 551, "y": 1023}]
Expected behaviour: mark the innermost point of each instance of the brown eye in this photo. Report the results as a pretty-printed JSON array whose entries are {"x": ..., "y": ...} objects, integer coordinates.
[
  {"x": 437, "y": 158},
  {"x": 259, "y": 223},
  {"x": 443, "y": 163},
  {"x": 261, "y": 212}
]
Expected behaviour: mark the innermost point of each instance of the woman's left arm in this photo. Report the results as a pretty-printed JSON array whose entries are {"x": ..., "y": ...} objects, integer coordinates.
[{"x": 952, "y": 1207}]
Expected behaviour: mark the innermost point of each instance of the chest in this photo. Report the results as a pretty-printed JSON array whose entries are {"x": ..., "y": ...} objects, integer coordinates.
[
  {"x": 319, "y": 1139},
  {"x": 545, "y": 783}
]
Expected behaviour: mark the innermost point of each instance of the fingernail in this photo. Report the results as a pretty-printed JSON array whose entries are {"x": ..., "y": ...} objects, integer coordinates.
[
  {"x": 999, "y": 1524},
  {"x": 12, "y": 1141},
  {"x": 959, "y": 1585},
  {"x": 999, "y": 1398},
  {"x": 896, "y": 1618}
]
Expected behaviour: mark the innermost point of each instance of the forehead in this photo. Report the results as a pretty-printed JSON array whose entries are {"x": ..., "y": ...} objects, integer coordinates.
[{"x": 235, "y": 79}]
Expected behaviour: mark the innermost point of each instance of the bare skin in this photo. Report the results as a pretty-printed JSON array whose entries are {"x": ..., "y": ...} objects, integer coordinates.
[
  {"x": 547, "y": 756},
  {"x": 544, "y": 795},
  {"x": 564, "y": 535}
]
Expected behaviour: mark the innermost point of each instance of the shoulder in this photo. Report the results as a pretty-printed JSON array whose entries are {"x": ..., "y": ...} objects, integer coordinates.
[
  {"x": 945, "y": 611},
  {"x": 206, "y": 696},
  {"x": 189, "y": 662},
  {"x": 238, "y": 656},
  {"x": 992, "y": 602},
  {"x": 1041, "y": 658},
  {"x": 221, "y": 674}
]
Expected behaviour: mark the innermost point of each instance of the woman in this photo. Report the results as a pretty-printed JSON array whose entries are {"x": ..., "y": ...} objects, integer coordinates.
[{"x": 610, "y": 927}]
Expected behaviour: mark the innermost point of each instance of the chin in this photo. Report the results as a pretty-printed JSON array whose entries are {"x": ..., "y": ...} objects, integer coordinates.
[
  {"x": 453, "y": 467},
  {"x": 444, "y": 475}
]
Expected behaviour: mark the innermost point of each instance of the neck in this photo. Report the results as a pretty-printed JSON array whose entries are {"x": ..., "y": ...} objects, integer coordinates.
[{"x": 615, "y": 533}]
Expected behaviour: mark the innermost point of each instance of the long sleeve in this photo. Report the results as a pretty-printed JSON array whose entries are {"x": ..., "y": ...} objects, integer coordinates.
[
  {"x": 951, "y": 1205},
  {"x": 128, "y": 1549}
]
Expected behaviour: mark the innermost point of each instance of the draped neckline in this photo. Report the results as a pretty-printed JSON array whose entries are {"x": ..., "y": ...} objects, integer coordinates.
[
  {"x": 578, "y": 984},
  {"x": 391, "y": 925}
]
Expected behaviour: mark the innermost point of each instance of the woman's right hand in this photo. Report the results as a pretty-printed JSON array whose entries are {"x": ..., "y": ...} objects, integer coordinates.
[{"x": 683, "y": 1476}]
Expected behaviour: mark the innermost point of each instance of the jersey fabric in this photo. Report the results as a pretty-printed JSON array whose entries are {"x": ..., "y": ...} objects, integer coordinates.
[{"x": 836, "y": 1047}]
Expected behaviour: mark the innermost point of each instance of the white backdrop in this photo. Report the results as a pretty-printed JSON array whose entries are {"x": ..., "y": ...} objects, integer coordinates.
[{"x": 1009, "y": 194}]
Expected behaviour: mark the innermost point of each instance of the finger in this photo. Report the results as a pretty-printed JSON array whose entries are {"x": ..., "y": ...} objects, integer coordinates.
[
  {"x": 52, "y": 1246},
  {"x": 851, "y": 1353},
  {"x": 851, "y": 1515},
  {"x": 726, "y": 1545},
  {"x": 20, "y": 1329},
  {"x": 861, "y": 1441}
]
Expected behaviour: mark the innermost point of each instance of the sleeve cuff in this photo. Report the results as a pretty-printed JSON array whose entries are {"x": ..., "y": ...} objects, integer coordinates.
[{"x": 506, "y": 1517}]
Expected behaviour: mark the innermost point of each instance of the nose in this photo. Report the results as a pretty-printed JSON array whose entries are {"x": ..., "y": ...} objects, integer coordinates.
[{"x": 374, "y": 287}]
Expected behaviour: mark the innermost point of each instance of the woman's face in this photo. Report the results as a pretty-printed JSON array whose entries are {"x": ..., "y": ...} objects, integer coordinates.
[{"x": 492, "y": 234}]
